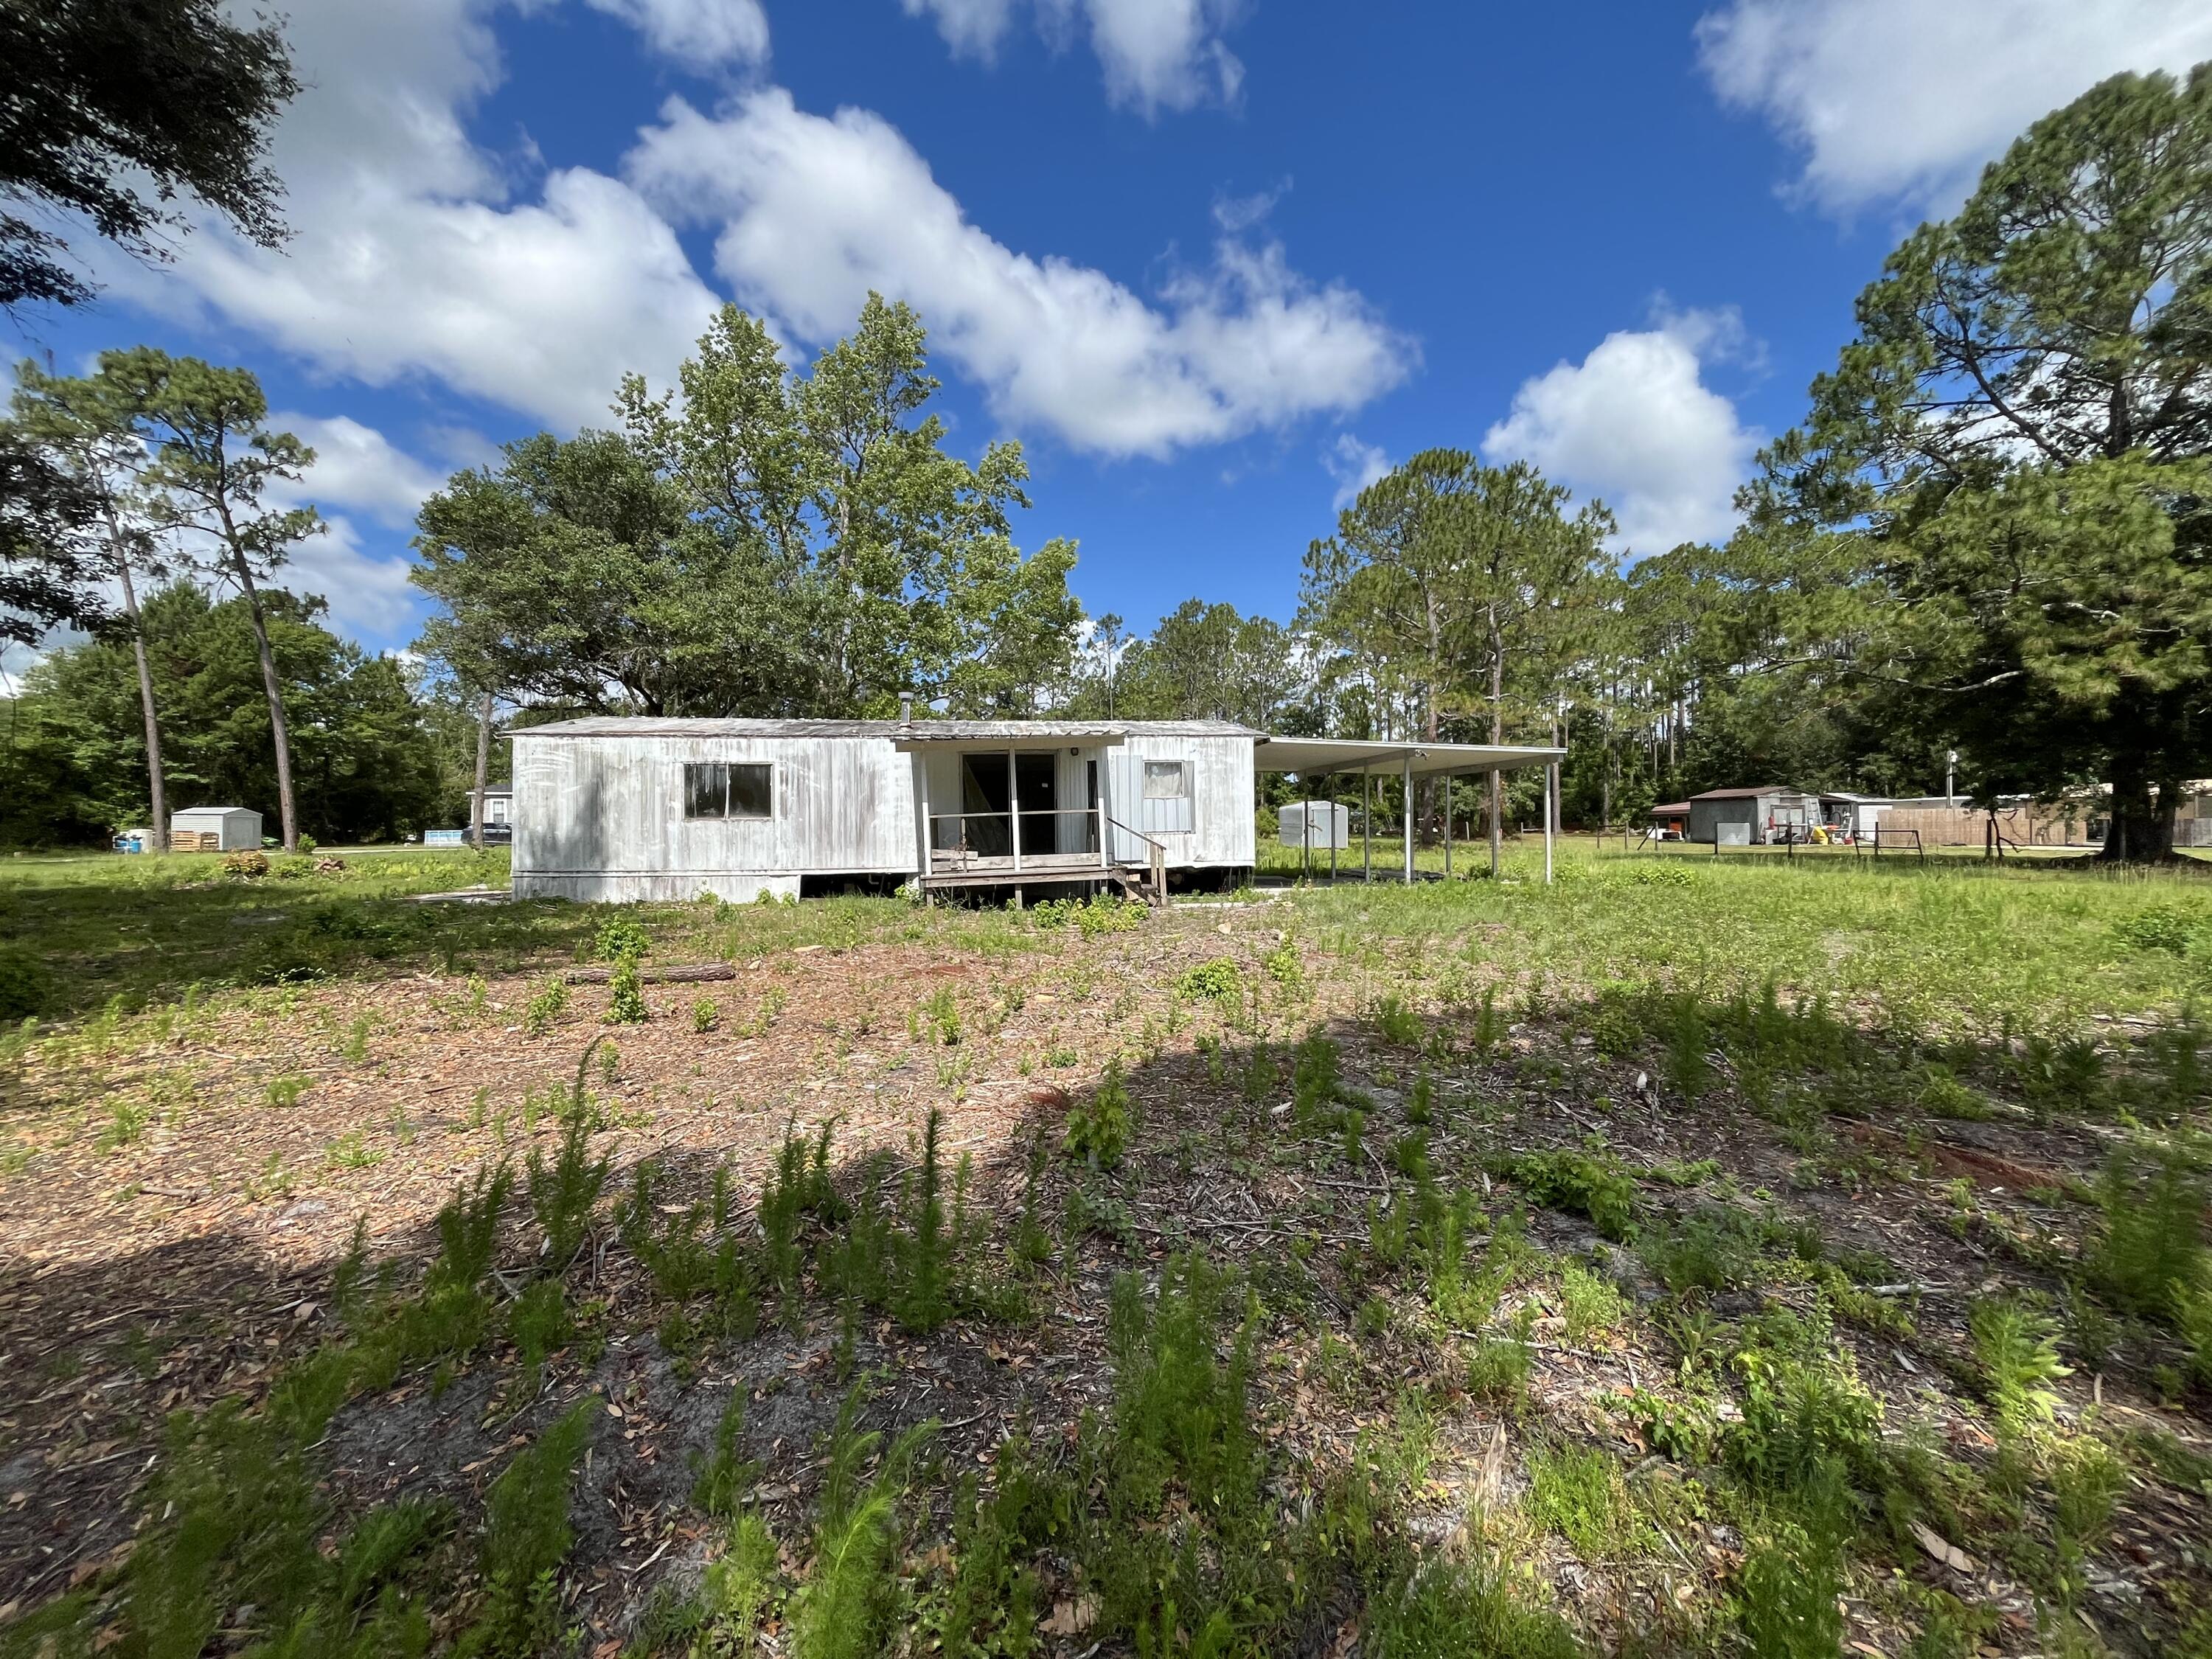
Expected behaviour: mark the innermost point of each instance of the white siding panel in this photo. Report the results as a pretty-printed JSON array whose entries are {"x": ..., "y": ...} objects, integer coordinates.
[{"x": 613, "y": 808}]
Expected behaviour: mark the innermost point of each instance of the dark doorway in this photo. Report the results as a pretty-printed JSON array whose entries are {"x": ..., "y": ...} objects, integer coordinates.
[
  {"x": 986, "y": 829},
  {"x": 1036, "y": 781}
]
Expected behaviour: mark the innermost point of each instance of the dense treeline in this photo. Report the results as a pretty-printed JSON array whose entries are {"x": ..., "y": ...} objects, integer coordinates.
[
  {"x": 1989, "y": 535},
  {"x": 369, "y": 754}
]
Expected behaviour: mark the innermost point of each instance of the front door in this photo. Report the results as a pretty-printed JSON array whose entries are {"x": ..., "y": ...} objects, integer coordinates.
[{"x": 1037, "y": 790}]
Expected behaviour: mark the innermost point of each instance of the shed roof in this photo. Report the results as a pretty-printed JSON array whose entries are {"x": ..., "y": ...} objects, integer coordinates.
[
  {"x": 1672, "y": 809},
  {"x": 1747, "y": 794},
  {"x": 612, "y": 726}
]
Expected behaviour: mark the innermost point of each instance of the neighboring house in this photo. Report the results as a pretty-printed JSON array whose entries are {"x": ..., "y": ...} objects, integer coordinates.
[
  {"x": 498, "y": 814},
  {"x": 1745, "y": 818},
  {"x": 613, "y": 809}
]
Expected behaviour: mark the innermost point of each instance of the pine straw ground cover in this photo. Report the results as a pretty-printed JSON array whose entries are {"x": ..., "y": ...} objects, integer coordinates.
[{"x": 1674, "y": 1260}]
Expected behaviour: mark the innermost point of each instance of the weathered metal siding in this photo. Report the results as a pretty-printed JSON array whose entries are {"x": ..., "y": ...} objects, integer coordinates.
[
  {"x": 602, "y": 818},
  {"x": 1221, "y": 804}
]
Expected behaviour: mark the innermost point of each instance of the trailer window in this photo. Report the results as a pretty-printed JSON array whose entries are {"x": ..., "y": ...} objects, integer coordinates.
[
  {"x": 724, "y": 789},
  {"x": 1167, "y": 780}
]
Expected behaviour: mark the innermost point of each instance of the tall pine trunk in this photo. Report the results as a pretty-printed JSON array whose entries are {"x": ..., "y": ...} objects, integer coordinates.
[
  {"x": 156, "y": 783},
  {"x": 274, "y": 690},
  {"x": 483, "y": 768}
]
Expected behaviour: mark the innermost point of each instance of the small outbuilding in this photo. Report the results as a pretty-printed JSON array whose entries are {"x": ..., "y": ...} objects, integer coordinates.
[
  {"x": 1319, "y": 825},
  {"x": 215, "y": 829},
  {"x": 1746, "y": 818}
]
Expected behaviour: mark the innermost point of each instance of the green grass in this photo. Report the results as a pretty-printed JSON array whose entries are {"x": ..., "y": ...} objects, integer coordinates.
[
  {"x": 1946, "y": 945},
  {"x": 78, "y": 934}
]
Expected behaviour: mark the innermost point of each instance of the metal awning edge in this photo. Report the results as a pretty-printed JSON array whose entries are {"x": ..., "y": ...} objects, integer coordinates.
[{"x": 1322, "y": 757}]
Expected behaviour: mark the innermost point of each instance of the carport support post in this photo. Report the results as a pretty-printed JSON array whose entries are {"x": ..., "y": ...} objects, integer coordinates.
[
  {"x": 1406, "y": 815},
  {"x": 1332, "y": 829},
  {"x": 1550, "y": 794},
  {"x": 1497, "y": 799},
  {"x": 1014, "y": 820},
  {"x": 1447, "y": 793},
  {"x": 1366, "y": 825}
]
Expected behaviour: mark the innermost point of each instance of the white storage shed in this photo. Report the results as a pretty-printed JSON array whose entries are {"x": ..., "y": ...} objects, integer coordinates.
[
  {"x": 1320, "y": 824},
  {"x": 215, "y": 829}
]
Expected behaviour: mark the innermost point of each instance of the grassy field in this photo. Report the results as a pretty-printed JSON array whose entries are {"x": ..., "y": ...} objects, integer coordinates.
[{"x": 1692, "y": 1256}]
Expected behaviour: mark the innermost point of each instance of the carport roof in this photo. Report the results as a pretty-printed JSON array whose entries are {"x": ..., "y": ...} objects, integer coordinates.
[{"x": 1311, "y": 758}]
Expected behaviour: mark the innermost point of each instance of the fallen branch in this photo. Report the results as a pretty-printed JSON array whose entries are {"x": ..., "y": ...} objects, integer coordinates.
[{"x": 685, "y": 976}]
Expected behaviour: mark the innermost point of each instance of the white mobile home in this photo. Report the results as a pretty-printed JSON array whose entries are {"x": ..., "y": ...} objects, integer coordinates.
[
  {"x": 615, "y": 809},
  {"x": 626, "y": 809}
]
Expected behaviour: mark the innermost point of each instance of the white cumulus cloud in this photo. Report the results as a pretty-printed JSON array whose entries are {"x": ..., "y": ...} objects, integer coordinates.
[
  {"x": 706, "y": 33},
  {"x": 357, "y": 466},
  {"x": 1635, "y": 423},
  {"x": 815, "y": 211},
  {"x": 1354, "y": 465},
  {"x": 1904, "y": 101},
  {"x": 409, "y": 259},
  {"x": 1155, "y": 54},
  {"x": 368, "y": 592}
]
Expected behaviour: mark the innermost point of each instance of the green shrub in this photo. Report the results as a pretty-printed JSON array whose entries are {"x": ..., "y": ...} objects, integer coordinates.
[
  {"x": 1589, "y": 1303},
  {"x": 1689, "y": 1069},
  {"x": 619, "y": 937},
  {"x": 1806, "y": 1415},
  {"x": 1579, "y": 1495},
  {"x": 563, "y": 1194},
  {"x": 626, "y": 994},
  {"x": 527, "y": 1537},
  {"x": 543, "y": 1009},
  {"x": 1616, "y": 1024},
  {"x": 2018, "y": 1352},
  {"x": 1448, "y": 1609},
  {"x": 721, "y": 1479},
  {"x": 705, "y": 1015},
  {"x": 1943, "y": 1095},
  {"x": 1098, "y": 1129},
  {"x": 1218, "y": 981},
  {"x": 2157, "y": 928},
  {"x": 846, "y": 1607},
  {"x": 1582, "y": 1183},
  {"x": 1397, "y": 1023},
  {"x": 2151, "y": 1248},
  {"x": 1179, "y": 1409},
  {"x": 468, "y": 1228}
]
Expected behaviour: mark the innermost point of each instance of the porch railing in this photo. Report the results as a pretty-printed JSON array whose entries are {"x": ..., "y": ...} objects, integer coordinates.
[{"x": 954, "y": 844}]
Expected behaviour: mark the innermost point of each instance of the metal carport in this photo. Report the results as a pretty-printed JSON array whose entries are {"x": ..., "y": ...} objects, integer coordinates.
[{"x": 1308, "y": 758}]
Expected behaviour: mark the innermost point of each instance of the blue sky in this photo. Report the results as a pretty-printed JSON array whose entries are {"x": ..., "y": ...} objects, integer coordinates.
[{"x": 1213, "y": 262}]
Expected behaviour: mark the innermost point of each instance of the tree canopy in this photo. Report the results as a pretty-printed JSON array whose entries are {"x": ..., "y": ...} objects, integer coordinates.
[
  {"x": 2010, "y": 459},
  {"x": 754, "y": 541},
  {"x": 115, "y": 109}
]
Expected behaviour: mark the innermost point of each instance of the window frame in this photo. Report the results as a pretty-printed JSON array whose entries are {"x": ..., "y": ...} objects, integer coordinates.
[
  {"x": 729, "y": 770},
  {"x": 1182, "y": 770}
]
